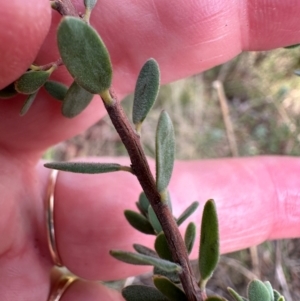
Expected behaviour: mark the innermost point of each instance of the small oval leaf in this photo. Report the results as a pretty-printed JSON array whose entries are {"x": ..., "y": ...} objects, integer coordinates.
[
  {"x": 270, "y": 289},
  {"x": 257, "y": 291},
  {"x": 209, "y": 242},
  {"x": 169, "y": 289},
  {"x": 82, "y": 167},
  {"x": 173, "y": 276},
  {"x": 189, "y": 237},
  {"x": 31, "y": 81},
  {"x": 142, "y": 293},
  {"x": 140, "y": 259},
  {"x": 144, "y": 202},
  {"x": 84, "y": 54},
  {"x": 75, "y": 101},
  {"x": 8, "y": 91},
  {"x": 154, "y": 220},
  {"x": 90, "y": 4},
  {"x": 56, "y": 89},
  {"x": 145, "y": 250},
  {"x": 162, "y": 247},
  {"x": 187, "y": 213},
  {"x": 146, "y": 91},
  {"x": 276, "y": 295},
  {"x": 292, "y": 46},
  {"x": 28, "y": 103},
  {"x": 234, "y": 294},
  {"x": 139, "y": 222},
  {"x": 165, "y": 151},
  {"x": 297, "y": 72}
]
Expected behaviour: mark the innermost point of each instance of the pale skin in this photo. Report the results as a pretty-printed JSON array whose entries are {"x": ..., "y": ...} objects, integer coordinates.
[{"x": 257, "y": 198}]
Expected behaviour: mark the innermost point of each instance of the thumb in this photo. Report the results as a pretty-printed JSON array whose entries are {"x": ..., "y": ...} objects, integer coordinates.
[{"x": 24, "y": 25}]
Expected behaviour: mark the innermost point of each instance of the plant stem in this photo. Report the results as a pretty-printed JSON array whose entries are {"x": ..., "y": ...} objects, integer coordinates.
[{"x": 140, "y": 168}]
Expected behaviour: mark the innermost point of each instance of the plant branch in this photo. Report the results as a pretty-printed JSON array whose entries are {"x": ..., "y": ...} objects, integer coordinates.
[{"x": 141, "y": 169}]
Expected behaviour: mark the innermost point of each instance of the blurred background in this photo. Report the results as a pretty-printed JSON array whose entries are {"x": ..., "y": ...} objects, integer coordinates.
[{"x": 246, "y": 107}]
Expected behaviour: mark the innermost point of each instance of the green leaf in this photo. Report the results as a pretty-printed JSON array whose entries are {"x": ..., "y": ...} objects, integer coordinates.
[
  {"x": 138, "y": 206},
  {"x": 189, "y": 237},
  {"x": 75, "y": 101},
  {"x": 292, "y": 46},
  {"x": 187, "y": 213},
  {"x": 270, "y": 289},
  {"x": 140, "y": 259},
  {"x": 82, "y": 167},
  {"x": 90, "y": 4},
  {"x": 145, "y": 250},
  {"x": 142, "y": 293},
  {"x": 56, "y": 89},
  {"x": 146, "y": 91},
  {"x": 84, "y": 54},
  {"x": 215, "y": 298},
  {"x": 154, "y": 220},
  {"x": 162, "y": 247},
  {"x": 144, "y": 202},
  {"x": 209, "y": 242},
  {"x": 276, "y": 295},
  {"x": 27, "y": 104},
  {"x": 297, "y": 72},
  {"x": 8, "y": 92},
  {"x": 257, "y": 291},
  {"x": 173, "y": 276},
  {"x": 139, "y": 222},
  {"x": 234, "y": 294},
  {"x": 281, "y": 298},
  {"x": 169, "y": 289},
  {"x": 31, "y": 81},
  {"x": 165, "y": 151}
]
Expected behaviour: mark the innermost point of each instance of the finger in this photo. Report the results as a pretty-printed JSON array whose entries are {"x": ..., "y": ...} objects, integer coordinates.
[
  {"x": 20, "y": 36},
  {"x": 24, "y": 272},
  {"x": 190, "y": 36},
  {"x": 90, "y": 291},
  {"x": 72, "y": 288},
  {"x": 43, "y": 125},
  {"x": 255, "y": 202},
  {"x": 185, "y": 38}
]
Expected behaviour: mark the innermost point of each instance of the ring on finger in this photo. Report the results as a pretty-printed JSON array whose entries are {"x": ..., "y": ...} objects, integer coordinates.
[{"x": 50, "y": 220}]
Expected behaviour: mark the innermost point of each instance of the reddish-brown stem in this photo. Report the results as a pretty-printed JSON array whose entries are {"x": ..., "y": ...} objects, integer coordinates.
[{"x": 142, "y": 171}]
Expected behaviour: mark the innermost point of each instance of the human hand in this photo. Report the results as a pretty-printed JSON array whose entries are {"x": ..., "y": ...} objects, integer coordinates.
[{"x": 256, "y": 200}]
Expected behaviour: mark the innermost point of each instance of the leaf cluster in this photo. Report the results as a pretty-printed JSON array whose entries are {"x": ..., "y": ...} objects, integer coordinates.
[
  {"x": 258, "y": 291},
  {"x": 167, "y": 280},
  {"x": 76, "y": 41}
]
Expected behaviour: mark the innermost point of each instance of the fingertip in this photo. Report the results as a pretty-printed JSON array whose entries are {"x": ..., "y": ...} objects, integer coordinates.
[
  {"x": 89, "y": 291},
  {"x": 24, "y": 26}
]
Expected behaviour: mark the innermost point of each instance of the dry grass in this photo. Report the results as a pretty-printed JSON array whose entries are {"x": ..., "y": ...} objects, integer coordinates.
[{"x": 264, "y": 105}]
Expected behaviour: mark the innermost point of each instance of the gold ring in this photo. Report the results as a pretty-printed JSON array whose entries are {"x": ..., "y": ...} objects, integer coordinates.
[
  {"x": 61, "y": 286},
  {"x": 50, "y": 220}
]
